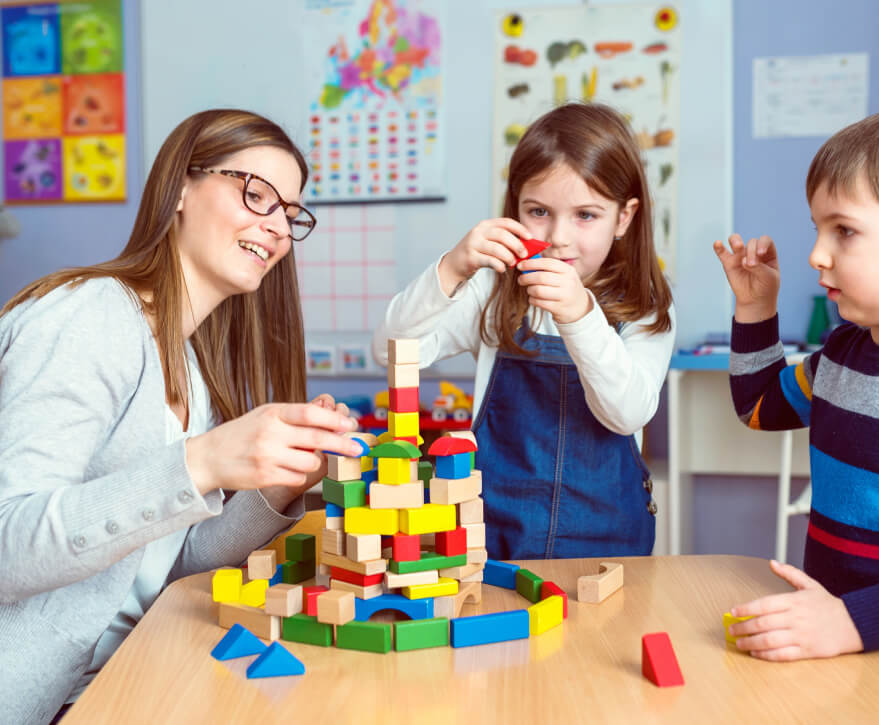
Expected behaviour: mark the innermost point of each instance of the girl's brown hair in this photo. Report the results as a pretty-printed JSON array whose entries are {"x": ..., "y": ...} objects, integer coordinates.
[
  {"x": 844, "y": 157},
  {"x": 595, "y": 141},
  {"x": 250, "y": 349}
]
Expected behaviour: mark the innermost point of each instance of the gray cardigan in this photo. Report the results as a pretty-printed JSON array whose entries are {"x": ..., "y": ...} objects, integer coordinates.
[{"x": 86, "y": 480}]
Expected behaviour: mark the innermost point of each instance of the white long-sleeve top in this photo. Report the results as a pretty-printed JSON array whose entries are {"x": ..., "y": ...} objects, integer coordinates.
[{"x": 622, "y": 374}]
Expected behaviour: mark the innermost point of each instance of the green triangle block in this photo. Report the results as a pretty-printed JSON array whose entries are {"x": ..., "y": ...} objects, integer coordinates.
[
  {"x": 276, "y": 661},
  {"x": 237, "y": 642}
]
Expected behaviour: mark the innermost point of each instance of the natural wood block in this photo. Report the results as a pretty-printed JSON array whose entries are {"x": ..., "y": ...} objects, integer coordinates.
[
  {"x": 475, "y": 536},
  {"x": 376, "y": 566},
  {"x": 335, "y": 607},
  {"x": 261, "y": 564},
  {"x": 370, "y": 592},
  {"x": 458, "y": 572},
  {"x": 403, "y": 375},
  {"x": 402, "y": 351},
  {"x": 364, "y": 547},
  {"x": 284, "y": 600},
  {"x": 595, "y": 588},
  {"x": 477, "y": 556},
  {"x": 396, "y": 496},
  {"x": 471, "y": 512},
  {"x": 333, "y": 541},
  {"x": 265, "y": 626},
  {"x": 455, "y": 490},
  {"x": 343, "y": 468},
  {"x": 336, "y": 522},
  {"x": 395, "y": 581}
]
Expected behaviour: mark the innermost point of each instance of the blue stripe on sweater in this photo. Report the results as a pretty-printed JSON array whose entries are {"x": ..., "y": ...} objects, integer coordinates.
[
  {"x": 843, "y": 492},
  {"x": 793, "y": 393}
]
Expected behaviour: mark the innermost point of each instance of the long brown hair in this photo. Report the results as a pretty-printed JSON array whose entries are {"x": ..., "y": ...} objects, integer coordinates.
[
  {"x": 844, "y": 157},
  {"x": 251, "y": 348},
  {"x": 595, "y": 141}
]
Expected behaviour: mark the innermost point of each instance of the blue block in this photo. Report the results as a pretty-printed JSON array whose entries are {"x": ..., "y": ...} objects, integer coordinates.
[
  {"x": 414, "y": 608},
  {"x": 276, "y": 661},
  {"x": 488, "y": 628},
  {"x": 456, "y": 466},
  {"x": 237, "y": 642},
  {"x": 500, "y": 574},
  {"x": 278, "y": 578},
  {"x": 369, "y": 476},
  {"x": 334, "y": 510}
]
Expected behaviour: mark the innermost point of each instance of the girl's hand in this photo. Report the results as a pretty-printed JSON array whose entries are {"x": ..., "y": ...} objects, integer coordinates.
[
  {"x": 277, "y": 444},
  {"x": 325, "y": 400},
  {"x": 494, "y": 243},
  {"x": 554, "y": 286},
  {"x": 752, "y": 271},
  {"x": 809, "y": 622}
]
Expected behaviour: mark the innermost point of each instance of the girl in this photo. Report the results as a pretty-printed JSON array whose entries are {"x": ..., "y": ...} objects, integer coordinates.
[
  {"x": 570, "y": 357},
  {"x": 112, "y": 381}
]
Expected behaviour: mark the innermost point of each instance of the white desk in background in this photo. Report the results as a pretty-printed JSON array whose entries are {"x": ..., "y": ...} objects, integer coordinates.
[{"x": 706, "y": 437}]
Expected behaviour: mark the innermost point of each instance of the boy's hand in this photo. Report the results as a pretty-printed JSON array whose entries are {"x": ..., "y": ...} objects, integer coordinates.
[
  {"x": 752, "y": 271},
  {"x": 494, "y": 243},
  {"x": 809, "y": 622},
  {"x": 554, "y": 286}
]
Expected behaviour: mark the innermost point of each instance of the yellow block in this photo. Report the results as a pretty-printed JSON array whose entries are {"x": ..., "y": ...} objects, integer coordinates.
[
  {"x": 402, "y": 425},
  {"x": 366, "y": 464},
  {"x": 428, "y": 519},
  {"x": 226, "y": 585},
  {"x": 545, "y": 615},
  {"x": 253, "y": 594},
  {"x": 444, "y": 587},
  {"x": 394, "y": 470},
  {"x": 729, "y": 619},
  {"x": 364, "y": 520}
]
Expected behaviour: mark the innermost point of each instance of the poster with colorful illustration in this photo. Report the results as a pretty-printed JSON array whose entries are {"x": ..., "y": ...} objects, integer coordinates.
[
  {"x": 374, "y": 75},
  {"x": 63, "y": 102},
  {"x": 627, "y": 56}
]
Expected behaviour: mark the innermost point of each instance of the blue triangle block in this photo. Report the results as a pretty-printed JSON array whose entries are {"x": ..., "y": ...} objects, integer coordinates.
[
  {"x": 276, "y": 661},
  {"x": 238, "y": 642}
]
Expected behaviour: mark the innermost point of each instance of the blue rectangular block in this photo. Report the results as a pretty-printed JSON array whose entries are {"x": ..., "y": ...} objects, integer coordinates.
[
  {"x": 456, "y": 466},
  {"x": 334, "y": 510},
  {"x": 500, "y": 574},
  {"x": 488, "y": 628},
  {"x": 278, "y": 578},
  {"x": 414, "y": 608},
  {"x": 369, "y": 477}
]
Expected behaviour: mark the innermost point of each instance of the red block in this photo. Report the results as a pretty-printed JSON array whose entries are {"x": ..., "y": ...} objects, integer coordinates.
[
  {"x": 658, "y": 661},
  {"x": 406, "y": 547},
  {"x": 409, "y": 439},
  {"x": 451, "y": 543},
  {"x": 403, "y": 400},
  {"x": 352, "y": 577},
  {"x": 548, "y": 589},
  {"x": 310, "y": 595}
]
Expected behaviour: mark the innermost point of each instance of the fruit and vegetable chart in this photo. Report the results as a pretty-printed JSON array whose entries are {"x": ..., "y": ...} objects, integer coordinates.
[
  {"x": 625, "y": 56},
  {"x": 63, "y": 102}
]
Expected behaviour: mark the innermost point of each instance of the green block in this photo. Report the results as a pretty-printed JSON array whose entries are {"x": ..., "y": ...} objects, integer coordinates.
[
  {"x": 472, "y": 460},
  {"x": 346, "y": 494},
  {"x": 364, "y": 636},
  {"x": 305, "y": 629},
  {"x": 528, "y": 585},
  {"x": 300, "y": 547},
  {"x": 421, "y": 634},
  {"x": 293, "y": 572},
  {"x": 425, "y": 472},
  {"x": 429, "y": 560}
]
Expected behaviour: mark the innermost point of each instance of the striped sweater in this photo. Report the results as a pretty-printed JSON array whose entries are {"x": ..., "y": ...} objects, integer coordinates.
[{"x": 834, "y": 391}]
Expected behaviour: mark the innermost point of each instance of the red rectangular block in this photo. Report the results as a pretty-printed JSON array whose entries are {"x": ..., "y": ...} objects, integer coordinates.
[
  {"x": 658, "y": 661},
  {"x": 309, "y": 596},
  {"x": 548, "y": 589},
  {"x": 452, "y": 543},
  {"x": 403, "y": 400},
  {"x": 406, "y": 547},
  {"x": 352, "y": 577}
]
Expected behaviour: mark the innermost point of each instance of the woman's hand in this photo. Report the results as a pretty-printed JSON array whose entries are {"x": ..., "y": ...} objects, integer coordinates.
[
  {"x": 554, "y": 286},
  {"x": 752, "y": 272},
  {"x": 277, "y": 444},
  {"x": 495, "y": 243}
]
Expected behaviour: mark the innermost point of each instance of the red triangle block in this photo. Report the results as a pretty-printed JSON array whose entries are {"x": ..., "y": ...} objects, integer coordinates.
[
  {"x": 658, "y": 661},
  {"x": 533, "y": 246}
]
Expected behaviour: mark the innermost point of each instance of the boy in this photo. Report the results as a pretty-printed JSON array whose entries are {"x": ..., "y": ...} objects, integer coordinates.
[{"x": 835, "y": 391}]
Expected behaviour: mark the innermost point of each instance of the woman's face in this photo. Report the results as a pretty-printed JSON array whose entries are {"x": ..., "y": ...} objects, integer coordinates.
[{"x": 225, "y": 248}]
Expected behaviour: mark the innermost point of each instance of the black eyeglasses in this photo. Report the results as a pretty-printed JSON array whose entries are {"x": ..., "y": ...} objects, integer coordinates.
[{"x": 262, "y": 198}]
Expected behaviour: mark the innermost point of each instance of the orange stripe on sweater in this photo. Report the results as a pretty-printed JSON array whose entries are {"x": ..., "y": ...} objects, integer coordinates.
[{"x": 755, "y": 416}]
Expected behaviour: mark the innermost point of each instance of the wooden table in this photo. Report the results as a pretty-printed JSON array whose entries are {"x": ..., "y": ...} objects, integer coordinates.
[{"x": 586, "y": 670}]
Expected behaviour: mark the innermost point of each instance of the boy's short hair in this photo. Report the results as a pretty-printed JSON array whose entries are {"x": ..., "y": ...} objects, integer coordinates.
[{"x": 844, "y": 157}]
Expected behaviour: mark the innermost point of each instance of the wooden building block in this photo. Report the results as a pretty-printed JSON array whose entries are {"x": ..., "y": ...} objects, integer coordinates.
[
  {"x": 403, "y": 400},
  {"x": 394, "y": 471},
  {"x": 404, "y": 375},
  {"x": 488, "y": 628},
  {"x": 457, "y": 572},
  {"x": 471, "y": 512},
  {"x": 322, "y": 576},
  {"x": 595, "y": 588},
  {"x": 476, "y": 576},
  {"x": 253, "y": 594},
  {"x": 335, "y": 607},
  {"x": 421, "y": 634},
  {"x": 306, "y": 629},
  {"x": 443, "y": 588},
  {"x": 546, "y": 614},
  {"x": 431, "y": 517},
  {"x": 338, "y": 522},
  {"x": 352, "y": 577},
  {"x": 365, "y": 636},
  {"x": 275, "y": 661},
  {"x": 333, "y": 541},
  {"x": 396, "y": 496},
  {"x": 729, "y": 619},
  {"x": 364, "y": 520},
  {"x": 363, "y": 547},
  {"x": 266, "y": 626},
  {"x": 300, "y": 547},
  {"x": 403, "y": 425},
  {"x": 261, "y": 564},
  {"x": 346, "y": 494},
  {"x": 237, "y": 642},
  {"x": 453, "y": 466},
  {"x": 467, "y": 593},
  {"x": 455, "y": 490},
  {"x": 475, "y": 535},
  {"x": 402, "y": 351},
  {"x": 406, "y": 548},
  {"x": 451, "y": 543},
  {"x": 284, "y": 600},
  {"x": 429, "y": 560},
  {"x": 412, "y": 608},
  {"x": 309, "y": 598},
  {"x": 361, "y": 592},
  {"x": 501, "y": 574},
  {"x": 658, "y": 661},
  {"x": 294, "y": 572},
  {"x": 226, "y": 585},
  {"x": 395, "y": 581},
  {"x": 343, "y": 468},
  {"x": 375, "y": 566},
  {"x": 549, "y": 589},
  {"x": 528, "y": 584},
  {"x": 477, "y": 556}
]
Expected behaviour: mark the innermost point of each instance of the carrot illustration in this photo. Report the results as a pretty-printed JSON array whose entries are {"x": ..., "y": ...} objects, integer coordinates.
[{"x": 610, "y": 49}]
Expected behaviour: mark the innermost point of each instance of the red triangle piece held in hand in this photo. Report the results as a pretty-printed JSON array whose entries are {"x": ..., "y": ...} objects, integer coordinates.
[
  {"x": 658, "y": 661},
  {"x": 533, "y": 246}
]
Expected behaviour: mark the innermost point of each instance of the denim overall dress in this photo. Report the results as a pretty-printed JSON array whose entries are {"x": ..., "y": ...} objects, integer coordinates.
[{"x": 555, "y": 482}]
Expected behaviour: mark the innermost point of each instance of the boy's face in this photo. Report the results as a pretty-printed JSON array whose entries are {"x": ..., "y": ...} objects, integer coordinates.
[{"x": 846, "y": 252}]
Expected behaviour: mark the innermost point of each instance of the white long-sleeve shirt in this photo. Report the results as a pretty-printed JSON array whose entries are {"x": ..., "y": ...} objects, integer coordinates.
[{"x": 622, "y": 374}]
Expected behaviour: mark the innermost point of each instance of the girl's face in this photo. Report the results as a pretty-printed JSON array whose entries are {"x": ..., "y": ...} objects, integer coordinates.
[
  {"x": 226, "y": 249},
  {"x": 560, "y": 208}
]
